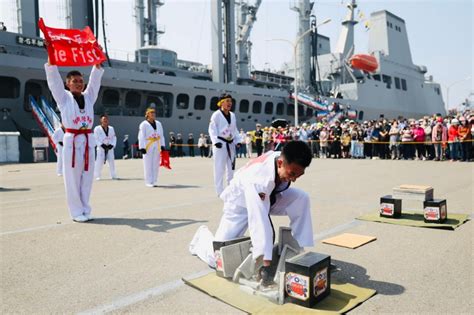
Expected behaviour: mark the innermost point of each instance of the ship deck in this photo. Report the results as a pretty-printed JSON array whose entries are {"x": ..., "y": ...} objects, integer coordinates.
[{"x": 132, "y": 257}]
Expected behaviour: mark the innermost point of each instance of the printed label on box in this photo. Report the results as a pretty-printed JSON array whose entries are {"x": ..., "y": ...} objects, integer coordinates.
[
  {"x": 320, "y": 282},
  {"x": 443, "y": 212},
  {"x": 297, "y": 286},
  {"x": 432, "y": 213},
  {"x": 387, "y": 208},
  {"x": 218, "y": 257}
]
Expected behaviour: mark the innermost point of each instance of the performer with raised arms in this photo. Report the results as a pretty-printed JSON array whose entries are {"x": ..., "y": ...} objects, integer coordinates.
[
  {"x": 151, "y": 142},
  {"x": 106, "y": 141},
  {"x": 225, "y": 138},
  {"x": 77, "y": 115}
]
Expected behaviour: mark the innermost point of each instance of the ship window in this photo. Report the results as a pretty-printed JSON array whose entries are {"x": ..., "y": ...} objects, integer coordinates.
[
  {"x": 214, "y": 101},
  {"x": 290, "y": 110},
  {"x": 397, "y": 83},
  {"x": 200, "y": 102},
  {"x": 269, "y": 108},
  {"x": 133, "y": 99},
  {"x": 309, "y": 112},
  {"x": 162, "y": 102},
  {"x": 33, "y": 89},
  {"x": 387, "y": 80},
  {"x": 300, "y": 111},
  {"x": 280, "y": 109},
  {"x": 361, "y": 115},
  {"x": 376, "y": 77},
  {"x": 233, "y": 105},
  {"x": 110, "y": 98},
  {"x": 257, "y": 107},
  {"x": 182, "y": 101},
  {"x": 9, "y": 87},
  {"x": 404, "y": 85},
  {"x": 244, "y": 106}
]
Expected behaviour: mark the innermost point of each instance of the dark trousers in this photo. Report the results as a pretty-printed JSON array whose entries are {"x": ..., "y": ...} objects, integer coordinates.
[
  {"x": 191, "y": 151},
  {"x": 466, "y": 150},
  {"x": 407, "y": 150},
  {"x": 368, "y": 147},
  {"x": 259, "y": 146},
  {"x": 203, "y": 151},
  {"x": 336, "y": 148}
]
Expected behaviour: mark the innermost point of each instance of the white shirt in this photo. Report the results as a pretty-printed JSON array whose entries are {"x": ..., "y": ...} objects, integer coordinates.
[
  {"x": 146, "y": 132},
  {"x": 220, "y": 127},
  {"x": 71, "y": 116},
  {"x": 102, "y": 138},
  {"x": 58, "y": 136}
]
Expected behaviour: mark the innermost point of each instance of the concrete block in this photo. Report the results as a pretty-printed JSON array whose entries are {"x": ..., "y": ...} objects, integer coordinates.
[
  {"x": 286, "y": 238},
  {"x": 232, "y": 256},
  {"x": 287, "y": 253}
]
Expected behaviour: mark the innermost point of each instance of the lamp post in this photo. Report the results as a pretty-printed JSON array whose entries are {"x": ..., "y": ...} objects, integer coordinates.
[
  {"x": 295, "y": 66},
  {"x": 449, "y": 86}
]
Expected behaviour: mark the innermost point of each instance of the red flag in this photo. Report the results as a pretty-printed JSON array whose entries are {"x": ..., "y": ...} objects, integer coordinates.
[
  {"x": 70, "y": 47},
  {"x": 165, "y": 159}
]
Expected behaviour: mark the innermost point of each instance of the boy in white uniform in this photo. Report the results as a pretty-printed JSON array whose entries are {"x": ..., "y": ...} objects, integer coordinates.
[
  {"x": 58, "y": 137},
  {"x": 151, "y": 142},
  {"x": 106, "y": 141},
  {"x": 258, "y": 190},
  {"x": 77, "y": 116},
  {"x": 225, "y": 138}
]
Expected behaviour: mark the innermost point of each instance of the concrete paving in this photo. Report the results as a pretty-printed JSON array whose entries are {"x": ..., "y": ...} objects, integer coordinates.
[{"x": 131, "y": 258}]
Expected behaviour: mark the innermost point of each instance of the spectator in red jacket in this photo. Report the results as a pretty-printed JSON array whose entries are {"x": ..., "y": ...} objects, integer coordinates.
[
  {"x": 419, "y": 138},
  {"x": 453, "y": 140}
]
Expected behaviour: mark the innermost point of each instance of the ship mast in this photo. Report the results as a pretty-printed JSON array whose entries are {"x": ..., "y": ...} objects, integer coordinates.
[
  {"x": 345, "y": 44},
  {"x": 303, "y": 8},
  {"x": 148, "y": 31},
  {"x": 248, "y": 16}
]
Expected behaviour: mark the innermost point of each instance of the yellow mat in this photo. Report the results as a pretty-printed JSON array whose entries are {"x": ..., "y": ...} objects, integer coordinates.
[
  {"x": 411, "y": 218},
  {"x": 349, "y": 240},
  {"x": 343, "y": 297}
]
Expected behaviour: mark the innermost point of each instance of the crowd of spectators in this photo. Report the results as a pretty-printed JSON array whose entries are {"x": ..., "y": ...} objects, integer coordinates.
[{"x": 430, "y": 138}]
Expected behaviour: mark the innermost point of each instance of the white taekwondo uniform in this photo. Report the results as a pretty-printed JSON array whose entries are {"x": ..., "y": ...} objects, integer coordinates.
[
  {"x": 151, "y": 139},
  {"x": 249, "y": 201},
  {"x": 78, "y": 151},
  {"x": 102, "y": 137},
  {"x": 221, "y": 131},
  {"x": 58, "y": 138}
]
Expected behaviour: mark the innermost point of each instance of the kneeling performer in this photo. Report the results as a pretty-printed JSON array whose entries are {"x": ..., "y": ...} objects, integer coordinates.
[
  {"x": 151, "y": 142},
  {"x": 258, "y": 190}
]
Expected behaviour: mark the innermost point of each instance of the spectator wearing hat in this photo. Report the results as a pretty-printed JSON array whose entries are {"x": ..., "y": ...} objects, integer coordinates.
[
  {"x": 384, "y": 139},
  {"x": 191, "y": 144},
  {"x": 394, "y": 134},
  {"x": 346, "y": 143},
  {"x": 202, "y": 145},
  {"x": 464, "y": 132},
  {"x": 429, "y": 148},
  {"x": 368, "y": 130},
  {"x": 172, "y": 142},
  {"x": 335, "y": 135},
  {"x": 179, "y": 145},
  {"x": 248, "y": 144},
  {"x": 258, "y": 139},
  {"x": 439, "y": 136},
  {"x": 323, "y": 138}
]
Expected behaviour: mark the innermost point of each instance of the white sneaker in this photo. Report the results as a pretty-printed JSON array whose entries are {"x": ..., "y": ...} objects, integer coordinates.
[
  {"x": 149, "y": 185},
  {"x": 59, "y": 175},
  {"x": 80, "y": 218},
  {"x": 97, "y": 178},
  {"x": 88, "y": 217}
]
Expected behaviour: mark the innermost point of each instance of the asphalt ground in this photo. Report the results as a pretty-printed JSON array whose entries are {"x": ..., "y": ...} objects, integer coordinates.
[{"x": 132, "y": 257}]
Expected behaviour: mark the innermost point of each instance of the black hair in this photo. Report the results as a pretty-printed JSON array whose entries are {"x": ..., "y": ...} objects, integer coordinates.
[
  {"x": 297, "y": 152},
  {"x": 224, "y": 96},
  {"x": 104, "y": 115},
  {"x": 73, "y": 73}
]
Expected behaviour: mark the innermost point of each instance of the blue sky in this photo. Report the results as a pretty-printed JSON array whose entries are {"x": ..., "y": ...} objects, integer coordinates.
[{"x": 440, "y": 32}]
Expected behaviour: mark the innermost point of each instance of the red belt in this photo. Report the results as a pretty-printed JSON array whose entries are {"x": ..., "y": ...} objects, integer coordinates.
[{"x": 77, "y": 132}]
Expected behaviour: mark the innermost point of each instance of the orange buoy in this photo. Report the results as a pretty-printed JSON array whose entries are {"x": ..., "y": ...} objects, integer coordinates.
[{"x": 364, "y": 62}]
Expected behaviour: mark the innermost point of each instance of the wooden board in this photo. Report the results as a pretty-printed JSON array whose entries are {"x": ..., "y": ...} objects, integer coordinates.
[{"x": 349, "y": 240}]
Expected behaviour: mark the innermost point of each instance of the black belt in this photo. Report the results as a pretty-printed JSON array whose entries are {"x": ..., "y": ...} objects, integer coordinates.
[{"x": 227, "y": 144}]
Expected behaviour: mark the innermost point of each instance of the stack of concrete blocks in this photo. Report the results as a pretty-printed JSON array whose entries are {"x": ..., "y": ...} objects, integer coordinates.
[
  {"x": 413, "y": 192},
  {"x": 246, "y": 273}
]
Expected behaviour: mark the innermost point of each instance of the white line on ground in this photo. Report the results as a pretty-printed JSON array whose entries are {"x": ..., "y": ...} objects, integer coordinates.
[
  {"x": 50, "y": 226},
  {"x": 173, "y": 285},
  {"x": 141, "y": 296}
]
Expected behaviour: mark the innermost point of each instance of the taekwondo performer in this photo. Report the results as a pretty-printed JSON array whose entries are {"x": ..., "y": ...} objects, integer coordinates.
[
  {"x": 58, "y": 137},
  {"x": 260, "y": 189},
  {"x": 151, "y": 142},
  {"x": 106, "y": 141},
  {"x": 225, "y": 138},
  {"x": 77, "y": 115}
]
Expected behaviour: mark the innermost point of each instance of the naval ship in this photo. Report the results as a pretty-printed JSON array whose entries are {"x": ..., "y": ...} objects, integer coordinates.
[{"x": 185, "y": 93}]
